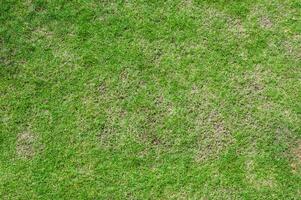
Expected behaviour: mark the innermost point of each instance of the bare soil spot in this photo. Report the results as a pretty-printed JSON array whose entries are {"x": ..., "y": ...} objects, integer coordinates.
[{"x": 25, "y": 145}]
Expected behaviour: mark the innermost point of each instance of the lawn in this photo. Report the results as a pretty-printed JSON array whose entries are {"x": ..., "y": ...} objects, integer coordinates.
[{"x": 174, "y": 99}]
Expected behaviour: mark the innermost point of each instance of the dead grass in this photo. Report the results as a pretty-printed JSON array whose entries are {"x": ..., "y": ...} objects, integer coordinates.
[
  {"x": 251, "y": 85},
  {"x": 25, "y": 145},
  {"x": 105, "y": 135},
  {"x": 213, "y": 143},
  {"x": 293, "y": 46},
  {"x": 296, "y": 160},
  {"x": 297, "y": 151},
  {"x": 213, "y": 135},
  {"x": 186, "y": 5},
  {"x": 266, "y": 23},
  {"x": 255, "y": 80},
  {"x": 150, "y": 122},
  {"x": 170, "y": 193},
  {"x": 102, "y": 88},
  {"x": 109, "y": 134},
  {"x": 259, "y": 14},
  {"x": 42, "y": 33},
  {"x": 234, "y": 25}
]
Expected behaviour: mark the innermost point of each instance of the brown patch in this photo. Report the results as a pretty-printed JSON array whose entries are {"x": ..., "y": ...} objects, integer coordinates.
[
  {"x": 64, "y": 54},
  {"x": 296, "y": 159},
  {"x": 266, "y": 23},
  {"x": 218, "y": 124},
  {"x": 154, "y": 51},
  {"x": 236, "y": 26},
  {"x": 186, "y": 5},
  {"x": 105, "y": 135},
  {"x": 25, "y": 145},
  {"x": 124, "y": 76},
  {"x": 293, "y": 46},
  {"x": 156, "y": 140},
  {"x": 215, "y": 138},
  {"x": 110, "y": 135},
  {"x": 222, "y": 192},
  {"x": 283, "y": 135},
  {"x": 170, "y": 193},
  {"x": 252, "y": 84},
  {"x": 101, "y": 18},
  {"x": 256, "y": 81},
  {"x": 102, "y": 88},
  {"x": 148, "y": 126},
  {"x": 297, "y": 151},
  {"x": 294, "y": 167},
  {"x": 157, "y": 56},
  {"x": 211, "y": 14},
  {"x": 43, "y": 33},
  {"x": 165, "y": 105},
  {"x": 159, "y": 100},
  {"x": 194, "y": 89}
]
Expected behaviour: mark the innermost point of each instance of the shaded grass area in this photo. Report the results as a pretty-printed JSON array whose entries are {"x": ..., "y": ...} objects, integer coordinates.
[{"x": 150, "y": 99}]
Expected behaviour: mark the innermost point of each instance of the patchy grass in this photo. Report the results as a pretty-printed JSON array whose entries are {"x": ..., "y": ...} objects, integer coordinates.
[
  {"x": 25, "y": 145},
  {"x": 150, "y": 99}
]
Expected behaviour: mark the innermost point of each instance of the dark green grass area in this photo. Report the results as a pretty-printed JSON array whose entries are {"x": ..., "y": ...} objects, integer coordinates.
[{"x": 150, "y": 99}]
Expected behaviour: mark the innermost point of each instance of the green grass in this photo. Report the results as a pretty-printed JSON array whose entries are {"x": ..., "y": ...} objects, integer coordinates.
[{"x": 150, "y": 99}]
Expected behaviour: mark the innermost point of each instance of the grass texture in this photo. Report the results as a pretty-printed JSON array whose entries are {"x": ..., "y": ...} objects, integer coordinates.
[{"x": 150, "y": 99}]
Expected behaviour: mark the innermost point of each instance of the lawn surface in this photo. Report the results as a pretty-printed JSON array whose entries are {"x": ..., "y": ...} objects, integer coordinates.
[{"x": 150, "y": 99}]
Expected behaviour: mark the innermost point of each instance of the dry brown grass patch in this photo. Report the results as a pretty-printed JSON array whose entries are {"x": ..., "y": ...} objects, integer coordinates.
[
  {"x": 25, "y": 145},
  {"x": 293, "y": 46},
  {"x": 105, "y": 135},
  {"x": 265, "y": 22},
  {"x": 234, "y": 25},
  {"x": 252, "y": 84},
  {"x": 296, "y": 161},
  {"x": 215, "y": 137},
  {"x": 297, "y": 151},
  {"x": 102, "y": 88}
]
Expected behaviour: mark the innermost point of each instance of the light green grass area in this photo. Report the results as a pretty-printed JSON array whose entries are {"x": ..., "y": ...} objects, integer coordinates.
[{"x": 175, "y": 99}]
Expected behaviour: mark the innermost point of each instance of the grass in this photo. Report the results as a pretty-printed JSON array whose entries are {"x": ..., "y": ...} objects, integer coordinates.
[{"x": 150, "y": 99}]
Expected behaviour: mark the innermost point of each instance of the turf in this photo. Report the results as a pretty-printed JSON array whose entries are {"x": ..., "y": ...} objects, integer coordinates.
[{"x": 150, "y": 99}]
